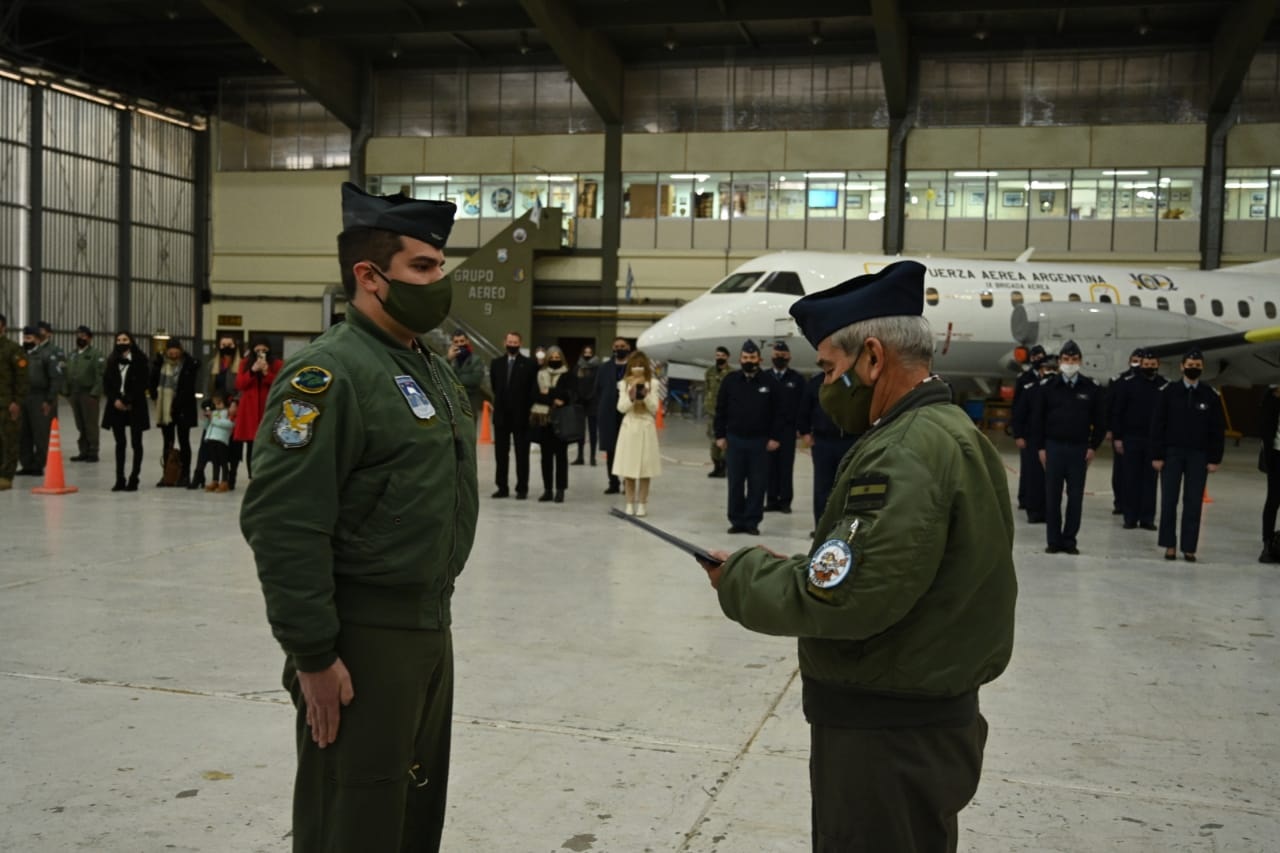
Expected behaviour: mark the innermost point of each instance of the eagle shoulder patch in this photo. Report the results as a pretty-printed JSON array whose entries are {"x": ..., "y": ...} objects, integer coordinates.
[{"x": 295, "y": 426}]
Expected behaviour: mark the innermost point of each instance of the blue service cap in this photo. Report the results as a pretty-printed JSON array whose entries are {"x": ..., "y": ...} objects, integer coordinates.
[
  {"x": 1195, "y": 353},
  {"x": 29, "y": 330},
  {"x": 750, "y": 346},
  {"x": 781, "y": 346},
  {"x": 895, "y": 291},
  {"x": 1147, "y": 352},
  {"x": 1036, "y": 353},
  {"x": 1070, "y": 348},
  {"x": 1137, "y": 352},
  {"x": 428, "y": 221}
]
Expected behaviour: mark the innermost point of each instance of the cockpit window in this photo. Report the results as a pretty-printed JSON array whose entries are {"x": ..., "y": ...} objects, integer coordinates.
[
  {"x": 739, "y": 282},
  {"x": 782, "y": 282}
]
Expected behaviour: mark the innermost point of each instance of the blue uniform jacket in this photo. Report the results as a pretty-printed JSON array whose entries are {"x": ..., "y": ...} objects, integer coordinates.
[
  {"x": 791, "y": 391},
  {"x": 1020, "y": 414},
  {"x": 750, "y": 407},
  {"x": 1066, "y": 413},
  {"x": 1190, "y": 418},
  {"x": 1133, "y": 404}
]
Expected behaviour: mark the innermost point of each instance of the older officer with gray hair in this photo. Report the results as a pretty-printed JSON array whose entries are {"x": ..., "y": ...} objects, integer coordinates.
[{"x": 904, "y": 606}]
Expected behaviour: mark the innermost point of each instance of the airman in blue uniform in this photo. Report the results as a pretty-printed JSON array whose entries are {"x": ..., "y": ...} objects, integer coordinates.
[
  {"x": 1133, "y": 405},
  {"x": 749, "y": 426},
  {"x": 782, "y": 462}
]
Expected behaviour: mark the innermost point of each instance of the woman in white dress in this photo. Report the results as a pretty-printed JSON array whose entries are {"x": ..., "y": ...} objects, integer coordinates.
[{"x": 636, "y": 458}]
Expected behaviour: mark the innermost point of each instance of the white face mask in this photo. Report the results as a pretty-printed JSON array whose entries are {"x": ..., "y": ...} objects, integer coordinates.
[
  {"x": 1068, "y": 370},
  {"x": 1135, "y": 365}
]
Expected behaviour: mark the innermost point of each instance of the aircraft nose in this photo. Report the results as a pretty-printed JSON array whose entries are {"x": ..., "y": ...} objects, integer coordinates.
[{"x": 668, "y": 339}]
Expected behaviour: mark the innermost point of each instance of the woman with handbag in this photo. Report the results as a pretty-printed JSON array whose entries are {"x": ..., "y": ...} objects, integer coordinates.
[
  {"x": 555, "y": 393},
  {"x": 124, "y": 412},
  {"x": 636, "y": 457}
]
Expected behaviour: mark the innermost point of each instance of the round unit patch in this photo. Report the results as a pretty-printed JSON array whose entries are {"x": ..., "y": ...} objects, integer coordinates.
[
  {"x": 831, "y": 564},
  {"x": 294, "y": 428},
  {"x": 312, "y": 380}
]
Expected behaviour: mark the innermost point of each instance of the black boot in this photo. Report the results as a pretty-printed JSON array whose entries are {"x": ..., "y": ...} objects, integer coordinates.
[
  {"x": 119, "y": 486},
  {"x": 132, "y": 485},
  {"x": 559, "y": 496},
  {"x": 546, "y": 497}
]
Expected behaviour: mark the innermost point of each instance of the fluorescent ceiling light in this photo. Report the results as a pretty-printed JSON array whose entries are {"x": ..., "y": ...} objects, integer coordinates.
[
  {"x": 859, "y": 186},
  {"x": 824, "y": 174},
  {"x": 688, "y": 176},
  {"x": 1146, "y": 194},
  {"x": 1048, "y": 185},
  {"x": 430, "y": 179},
  {"x": 1127, "y": 172},
  {"x": 974, "y": 174},
  {"x": 1245, "y": 185}
]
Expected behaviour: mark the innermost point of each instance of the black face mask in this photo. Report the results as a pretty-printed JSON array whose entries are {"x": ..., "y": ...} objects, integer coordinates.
[
  {"x": 513, "y": 350},
  {"x": 1192, "y": 373},
  {"x": 721, "y": 362},
  {"x": 82, "y": 342},
  {"x": 780, "y": 364},
  {"x": 123, "y": 349},
  {"x": 228, "y": 351},
  {"x": 750, "y": 366},
  {"x": 1148, "y": 371},
  {"x": 28, "y": 345},
  {"x": 621, "y": 354},
  {"x": 555, "y": 364}
]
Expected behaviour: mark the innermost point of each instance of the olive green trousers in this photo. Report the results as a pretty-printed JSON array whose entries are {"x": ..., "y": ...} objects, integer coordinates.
[{"x": 381, "y": 786}]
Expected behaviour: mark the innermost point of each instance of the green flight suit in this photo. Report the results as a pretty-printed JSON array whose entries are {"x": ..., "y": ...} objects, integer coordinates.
[
  {"x": 44, "y": 373},
  {"x": 361, "y": 514},
  {"x": 473, "y": 376},
  {"x": 83, "y": 387},
  {"x": 712, "y": 379},
  {"x": 13, "y": 389},
  {"x": 903, "y": 607}
]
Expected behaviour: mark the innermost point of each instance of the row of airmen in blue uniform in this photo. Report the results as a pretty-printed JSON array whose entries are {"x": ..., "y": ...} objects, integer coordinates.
[{"x": 1173, "y": 431}]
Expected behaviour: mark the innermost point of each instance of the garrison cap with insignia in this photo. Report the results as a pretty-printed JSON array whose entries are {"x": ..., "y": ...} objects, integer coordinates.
[
  {"x": 895, "y": 291},
  {"x": 1036, "y": 353},
  {"x": 428, "y": 221},
  {"x": 29, "y": 330},
  {"x": 45, "y": 326},
  {"x": 1069, "y": 348},
  {"x": 750, "y": 346},
  {"x": 84, "y": 330},
  {"x": 781, "y": 346},
  {"x": 1195, "y": 353},
  {"x": 1137, "y": 353}
]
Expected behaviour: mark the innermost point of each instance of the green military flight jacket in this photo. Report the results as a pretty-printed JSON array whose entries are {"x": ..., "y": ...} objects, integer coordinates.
[
  {"x": 926, "y": 610},
  {"x": 84, "y": 372},
  {"x": 363, "y": 503}
]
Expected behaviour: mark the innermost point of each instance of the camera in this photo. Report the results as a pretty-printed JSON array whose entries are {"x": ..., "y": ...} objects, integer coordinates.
[{"x": 640, "y": 391}]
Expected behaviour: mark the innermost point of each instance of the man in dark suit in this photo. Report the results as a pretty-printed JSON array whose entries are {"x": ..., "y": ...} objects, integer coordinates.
[
  {"x": 607, "y": 379},
  {"x": 512, "y": 377}
]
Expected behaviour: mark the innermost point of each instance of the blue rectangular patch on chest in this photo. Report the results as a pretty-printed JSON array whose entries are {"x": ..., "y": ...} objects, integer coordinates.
[{"x": 417, "y": 400}]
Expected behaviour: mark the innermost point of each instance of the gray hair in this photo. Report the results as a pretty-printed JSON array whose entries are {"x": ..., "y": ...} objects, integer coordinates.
[{"x": 909, "y": 338}]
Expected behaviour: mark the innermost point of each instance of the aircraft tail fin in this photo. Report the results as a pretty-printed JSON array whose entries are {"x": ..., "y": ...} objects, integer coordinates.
[
  {"x": 1260, "y": 268},
  {"x": 1025, "y": 256}
]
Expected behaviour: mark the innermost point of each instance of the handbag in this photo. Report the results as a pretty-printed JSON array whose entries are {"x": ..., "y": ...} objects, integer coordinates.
[
  {"x": 569, "y": 423},
  {"x": 172, "y": 467}
]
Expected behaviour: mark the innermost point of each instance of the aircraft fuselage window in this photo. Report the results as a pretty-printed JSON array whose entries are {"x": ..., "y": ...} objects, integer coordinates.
[
  {"x": 1189, "y": 305},
  {"x": 1135, "y": 301},
  {"x": 1162, "y": 303},
  {"x": 1015, "y": 296},
  {"x": 931, "y": 295},
  {"x": 1046, "y": 296},
  {"x": 1073, "y": 297},
  {"x": 782, "y": 282},
  {"x": 1216, "y": 305},
  {"x": 739, "y": 282},
  {"x": 1269, "y": 308},
  {"x": 1243, "y": 308},
  {"x": 987, "y": 299},
  {"x": 1104, "y": 298}
]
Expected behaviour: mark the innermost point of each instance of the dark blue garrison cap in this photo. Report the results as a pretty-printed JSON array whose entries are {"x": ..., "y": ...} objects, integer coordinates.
[
  {"x": 428, "y": 221},
  {"x": 1036, "y": 353},
  {"x": 1195, "y": 353},
  {"x": 895, "y": 291},
  {"x": 30, "y": 330},
  {"x": 781, "y": 346},
  {"x": 1070, "y": 348},
  {"x": 750, "y": 346}
]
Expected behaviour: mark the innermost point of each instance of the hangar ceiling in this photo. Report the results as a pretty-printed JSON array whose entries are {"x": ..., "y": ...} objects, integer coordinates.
[{"x": 175, "y": 51}]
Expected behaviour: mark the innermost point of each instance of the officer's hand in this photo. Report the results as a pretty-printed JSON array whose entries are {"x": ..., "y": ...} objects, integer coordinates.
[
  {"x": 1119, "y": 447},
  {"x": 14, "y": 411},
  {"x": 1021, "y": 442},
  {"x": 772, "y": 445},
  {"x": 45, "y": 409},
  {"x": 1044, "y": 459},
  {"x": 1158, "y": 464},
  {"x": 326, "y": 692},
  {"x": 808, "y": 440},
  {"x": 1088, "y": 456},
  {"x": 120, "y": 406},
  {"x": 1213, "y": 467},
  {"x": 722, "y": 443},
  {"x": 713, "y": 572}
]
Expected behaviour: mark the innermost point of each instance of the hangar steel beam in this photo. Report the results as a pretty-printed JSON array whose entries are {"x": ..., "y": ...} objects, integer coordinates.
[
  {"x": 1234, "y": 44},
  {"x": 589, "y": 58},
  {"x": 897, "y": 67},
  {"x": 328, "y": 74}
]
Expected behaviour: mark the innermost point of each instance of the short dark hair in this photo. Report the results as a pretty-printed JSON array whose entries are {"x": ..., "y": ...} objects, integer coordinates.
[
  {"x": 365, "y": 244},
  {"x": 724, "y": 350},
  {"x": 519, "y": 336},
  {"x": 4, "y": 321},
  {"x": 624, "y": 340}
]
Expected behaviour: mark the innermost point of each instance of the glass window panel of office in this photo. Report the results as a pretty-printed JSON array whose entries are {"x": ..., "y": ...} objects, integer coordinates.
[
  {"x": 825, "y": 198},
  {"x": 676, "y": 193},
  {"x": 1092, "y": 194},
  {"x": 497, "y": 196},
  {"x": 864, "y": 195},
  {"x": 1047, "y": 193},
  {"x": 639, "y": 195},
  {"x": 967, "y": 190},
  {"x": 750, "y": 195},
  {"x": 1178, "y": 193},
  {"x": 464, "y": 191},
  {"x": 1246, "y": 194},
  {"x": 1274, "y": 194},
  {"x": 391, "y": 184},
  {"x": 712, "y": 195},
  {"x": 1135, "y": 192},
  {"x": 786, "y": 195},
  {"x": 1008, "y": 197},
  {"x": 431, "y": 188},
  {"x": 590, "y": 196},
  {"x": 926, "y": 195}
]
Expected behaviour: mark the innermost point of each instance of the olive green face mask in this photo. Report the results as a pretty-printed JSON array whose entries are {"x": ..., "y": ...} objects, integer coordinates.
[
  {"x": 848, "y": 402},
  {"x": 417, "y": 307}
]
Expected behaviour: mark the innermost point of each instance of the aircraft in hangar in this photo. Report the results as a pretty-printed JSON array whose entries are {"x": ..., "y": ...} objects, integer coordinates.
[{"x": 985, "y": 313}]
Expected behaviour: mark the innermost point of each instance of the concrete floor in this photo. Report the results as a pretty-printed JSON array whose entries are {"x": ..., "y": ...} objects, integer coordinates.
[{"x": 603, "y": 702}]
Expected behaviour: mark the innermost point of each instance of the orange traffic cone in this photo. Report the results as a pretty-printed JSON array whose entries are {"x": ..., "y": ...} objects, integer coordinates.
[
  {"x": 54, "y": 482},
  {"x": 486, "y": 416},
  {"x": 1206, "y": 499},
  {"x": 662, "y": 408}
]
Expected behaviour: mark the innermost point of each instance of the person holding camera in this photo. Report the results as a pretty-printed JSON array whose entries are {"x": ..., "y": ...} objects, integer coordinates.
[
  {"x": 257, "y": 371},
  {"x": 636, "y": 457}
]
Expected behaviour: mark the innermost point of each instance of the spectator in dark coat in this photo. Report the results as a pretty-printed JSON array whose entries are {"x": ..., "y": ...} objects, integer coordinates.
[
  {"x": 513, "y": 378},
  {"x": 585, "y": 373},
  {"x": 607, "y": 379},
  {"x": 124, "y": 408},
  {"x": 173, "y": 388},
  {"x": 1269, "y": 463}
]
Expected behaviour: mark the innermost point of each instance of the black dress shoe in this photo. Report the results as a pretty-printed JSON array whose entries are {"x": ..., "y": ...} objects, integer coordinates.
[
  {"x": 771, "y": 508},
  {"x": 501, "y": 493},
  {"x": 785, "y": 510},
  {"x": 1190, "y": 558},
  {"x": 521, "y": 495},
  {"x": 79, "y": 457},
  {"x": 1052, "y": 549},
  {"x": 736, "y": 529},
  {"x": 577, "y": 462},
  {"x": 613, "y": 490},
  {"x": 593, "y": 461},
  {"x": 1117, "y": 511},
  {"x": 754, "y": 531},
  {"x": 1171, "y": 555},
  {"x": 92, "y": 457},
  {"x": 1265, "y": 556},
  {"x": 1130, "y": 526},
  {"x": 1146, "y": 526},
  {"x": 1035, "y": 519},
  {"x": 545, "y": 497},
  {"x": 195, "y": 484},
  {"x": 132, "y": 485},
  {"x": 29, "y": 472},
  {"x": 118, "y": 487},
  {"x": 1072, "y": 551},
  {"x": 560, "y": 496}
]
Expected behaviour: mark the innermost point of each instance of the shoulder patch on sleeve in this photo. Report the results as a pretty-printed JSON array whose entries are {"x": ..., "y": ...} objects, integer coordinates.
[
  {"x": 295, "y": 426},
  {"x": 22, "y": 362},
  {"x": 311, "y": 380},
  {"x": 870, "y": 491}
]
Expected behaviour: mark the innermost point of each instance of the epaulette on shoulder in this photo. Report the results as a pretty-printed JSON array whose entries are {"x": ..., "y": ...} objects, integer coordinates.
[{"x": 1046, "y": 380}]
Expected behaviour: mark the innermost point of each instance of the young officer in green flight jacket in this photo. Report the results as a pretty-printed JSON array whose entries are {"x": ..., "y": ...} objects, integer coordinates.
[
  {"x": 904, "y": 606},
  {"x": 361, "y": 514}
]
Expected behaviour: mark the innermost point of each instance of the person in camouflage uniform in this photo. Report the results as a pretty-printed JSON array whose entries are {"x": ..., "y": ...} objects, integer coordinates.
[
  {"x": 13, "y": 390},
  {"x": 83, "y": 387},
  {"x": 714, "y": 376}
]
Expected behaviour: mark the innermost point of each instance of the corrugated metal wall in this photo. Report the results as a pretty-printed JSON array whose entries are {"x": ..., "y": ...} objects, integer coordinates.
[{"x": 97, "y": 263}]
